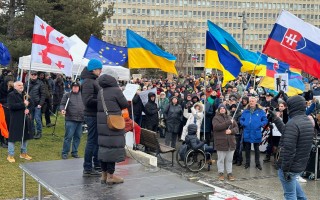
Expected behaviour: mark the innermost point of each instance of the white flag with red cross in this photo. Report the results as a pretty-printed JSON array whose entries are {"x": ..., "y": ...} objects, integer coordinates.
[{"x": 51, "y": 47}]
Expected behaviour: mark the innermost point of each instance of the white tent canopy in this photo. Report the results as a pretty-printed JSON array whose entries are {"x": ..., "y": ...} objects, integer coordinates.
[{"x": 77, "y": 51}]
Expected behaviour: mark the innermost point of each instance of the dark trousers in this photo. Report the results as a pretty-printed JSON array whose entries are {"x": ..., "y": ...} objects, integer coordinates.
[
  {"x": 91, "y": 150},
  {"x": 108, "y": 167},
  {"x": 152, "y": 127},
  {"x": 237, "y": 156},
  {"x": 247, "y": 147},
  {"x": 138, "y": 119}
]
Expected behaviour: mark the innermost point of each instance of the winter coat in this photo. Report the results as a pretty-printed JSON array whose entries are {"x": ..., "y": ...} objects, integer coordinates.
[
  {"x": 296, "y": 140},
  {"x": 210, "y": 111},
  {"x": 111, "y": 143},
  {"x": 222, "y": 141},
  {"x": 193, "y": 141},
  {"x": 252, "y": 124},
  {"x": 151, "y": 111},
  {"x": 173, "y": 117},
  {"x": 137, "y": 105},
  {"x": 75, "y": 108},
  {"x": 192, "y": 117},
  {"x": 58, "y": 92},
  {"x": 17, "y": 107},
  {"x": 36, "y": 92},
  {"x": 89, "y": 91},
  {"x": 163, "y": 103}
]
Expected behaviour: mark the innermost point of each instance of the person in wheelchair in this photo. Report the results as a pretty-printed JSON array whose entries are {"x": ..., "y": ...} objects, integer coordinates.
[{"x": 194, "y": 143}]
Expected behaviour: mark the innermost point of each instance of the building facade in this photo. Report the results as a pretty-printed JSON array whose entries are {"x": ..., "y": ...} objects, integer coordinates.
[{"x": 179, "y": 26}]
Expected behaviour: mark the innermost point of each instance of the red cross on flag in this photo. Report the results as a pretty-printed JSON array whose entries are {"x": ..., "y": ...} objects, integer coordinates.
[{"x": 50, "y": 47}]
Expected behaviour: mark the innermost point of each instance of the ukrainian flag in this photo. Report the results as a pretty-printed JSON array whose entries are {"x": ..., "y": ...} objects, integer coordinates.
[
  {"x": 296, "y": 85},
  {"x": 219, "y": 58},
  {"x": 247, "y": 58},
  {"x": 144, "y": 54}
]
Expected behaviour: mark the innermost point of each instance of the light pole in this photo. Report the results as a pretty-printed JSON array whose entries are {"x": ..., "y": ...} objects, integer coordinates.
[{"x": 244, "y": 25}]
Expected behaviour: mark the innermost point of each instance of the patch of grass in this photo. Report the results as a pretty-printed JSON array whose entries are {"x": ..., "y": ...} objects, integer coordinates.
[{"x": 47, "y": 148}]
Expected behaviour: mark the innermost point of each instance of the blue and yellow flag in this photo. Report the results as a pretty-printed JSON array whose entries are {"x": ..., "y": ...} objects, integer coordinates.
[
  {"x": 296, "y": 85},
  {"x": 247, "y": 58},
  {"x": 107, "y": 53},
  {"x": 219, "y": 58},
  {"x": 144, "y": 54}
]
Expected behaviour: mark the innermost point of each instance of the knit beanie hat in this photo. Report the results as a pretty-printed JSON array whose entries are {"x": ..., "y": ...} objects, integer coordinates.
[
  {"x": 222, "y": 106},
  {"x": 192, "y": 129},
  {"x": 94, "y": 64}
]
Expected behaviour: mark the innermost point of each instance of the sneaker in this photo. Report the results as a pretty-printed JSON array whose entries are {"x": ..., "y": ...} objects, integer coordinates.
[
  {"x": 301, "y": 180},
  {"x": 11, "y": 159},
  {"x": 64, "y": 156},
  {"x": 221, "y": 177},
  {"x": 91, "y": 173},
  {"x": 50, "y": 125},
  {"x": 258, "y": 166},
  {"x": 75, "y": 156},
  {"x": 231, "y": 177},
  {"x": 25, "y": 156}
]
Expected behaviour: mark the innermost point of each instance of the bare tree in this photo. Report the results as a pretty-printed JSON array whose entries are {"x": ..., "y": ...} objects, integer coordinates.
[{"x": 187, "y": 32}]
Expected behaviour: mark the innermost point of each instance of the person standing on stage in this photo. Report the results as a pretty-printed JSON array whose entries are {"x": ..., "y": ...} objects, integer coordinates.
[
  {"x": 89, "y": 92},
  {"x": 19, "y": 119},
  {"x": 111, "y": 142}
]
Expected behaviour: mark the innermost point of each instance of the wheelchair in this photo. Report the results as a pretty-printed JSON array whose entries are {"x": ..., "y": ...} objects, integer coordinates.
[{"x": 194, "y": 160}]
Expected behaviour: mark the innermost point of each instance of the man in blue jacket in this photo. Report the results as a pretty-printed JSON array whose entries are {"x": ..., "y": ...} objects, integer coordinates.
[{"x": 252, "y": 120}]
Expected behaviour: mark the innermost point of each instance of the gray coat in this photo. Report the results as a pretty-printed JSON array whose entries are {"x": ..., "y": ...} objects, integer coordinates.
[
  {"x": 111, "y": 143},
  {"x": 75, "y": 108}
]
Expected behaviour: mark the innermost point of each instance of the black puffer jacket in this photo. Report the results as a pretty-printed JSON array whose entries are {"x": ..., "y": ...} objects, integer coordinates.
[
  {"x": 89, "y": 91},
  {"x": 151, "y": 110},
  {"x": 173, "y": 115},
  {"x": 111, "y": 143},
  {"x": 74, "y": 111},
  {"x": 37, "y": 92},
  {"x": 296, "y": 140},
  {"x": 191, "y": 139}
]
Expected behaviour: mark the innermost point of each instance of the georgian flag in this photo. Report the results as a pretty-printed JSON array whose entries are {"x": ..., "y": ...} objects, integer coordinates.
[{"x": 50, "y": 47}]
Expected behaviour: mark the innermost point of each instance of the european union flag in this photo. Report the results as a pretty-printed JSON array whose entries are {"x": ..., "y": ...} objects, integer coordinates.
[
  {"x": 107, "y": 53},
  {"x": 4, "y": 55}
]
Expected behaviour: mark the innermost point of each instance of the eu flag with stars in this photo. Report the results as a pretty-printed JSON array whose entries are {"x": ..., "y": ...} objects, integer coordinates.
[{"x": 107, "y": 53}]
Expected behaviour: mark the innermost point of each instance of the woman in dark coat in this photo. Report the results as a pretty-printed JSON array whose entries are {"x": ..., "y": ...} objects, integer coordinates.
[
  {"x": 173, "y": 115},
  {"x": 18, "y": 108},
  {"x": 111, "y": 143}
]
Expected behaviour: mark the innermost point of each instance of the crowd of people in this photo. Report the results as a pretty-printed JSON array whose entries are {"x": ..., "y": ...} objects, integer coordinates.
[{"x": 227, "y": 119}]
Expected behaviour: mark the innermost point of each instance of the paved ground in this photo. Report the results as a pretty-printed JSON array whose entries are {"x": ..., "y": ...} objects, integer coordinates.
[{"x": 249, "y": 184}]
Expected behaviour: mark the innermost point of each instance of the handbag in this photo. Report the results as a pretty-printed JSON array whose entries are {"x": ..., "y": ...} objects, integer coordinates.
[{"x": 114, "y": 122}]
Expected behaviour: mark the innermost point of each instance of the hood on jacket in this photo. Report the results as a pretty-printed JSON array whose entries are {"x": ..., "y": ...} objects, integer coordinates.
[
  {"x": 200, "y": 105},
  {"x": 87, "y": 74},
  {"x": 296, "y": 105},
  {"x": 150, "y": 95},
  {"x": 194, "y": 96},
  {"x": 106, "y": 80},
  {"x": 192, "y": 129}
]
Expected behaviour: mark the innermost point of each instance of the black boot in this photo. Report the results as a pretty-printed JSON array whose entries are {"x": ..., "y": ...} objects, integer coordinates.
[
  {"x": 239, "y": 163},
  {"x": 267, "y": 158},
  {"x": 247, "y": 165}
]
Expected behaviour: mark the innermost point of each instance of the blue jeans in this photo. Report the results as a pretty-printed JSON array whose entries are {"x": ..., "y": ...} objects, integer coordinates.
[
  {"x": 91, "y": 151},
  {"x": 11, "y": 147},
  {"x": 36, "y": 115},
  {"x": 73, "y": 133},
  {"x": 292, "y": 189}
]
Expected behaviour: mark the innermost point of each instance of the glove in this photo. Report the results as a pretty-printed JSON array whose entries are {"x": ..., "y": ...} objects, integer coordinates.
[{"x": 287, "y": 176}]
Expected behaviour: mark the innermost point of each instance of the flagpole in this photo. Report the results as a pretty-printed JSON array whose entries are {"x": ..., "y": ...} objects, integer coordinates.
[
  {"x": 247, "y": 85},
  {"x": 219, "y": 81},
  {"x": 204, "y": 107},
  {"x": 78, "y": 69}
]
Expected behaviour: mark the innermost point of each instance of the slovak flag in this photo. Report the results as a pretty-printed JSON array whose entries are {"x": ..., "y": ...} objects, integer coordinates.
[
  {"x": 50, "y": 47},
  {"x": 295, "y": 42}
]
